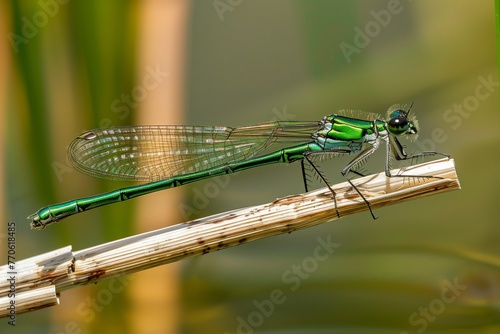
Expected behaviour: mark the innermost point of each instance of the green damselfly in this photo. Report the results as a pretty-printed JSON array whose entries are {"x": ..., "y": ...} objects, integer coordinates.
[{"x": 171, "y": 156}]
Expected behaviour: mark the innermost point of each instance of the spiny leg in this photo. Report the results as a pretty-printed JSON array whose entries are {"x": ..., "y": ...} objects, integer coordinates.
[
  {"x": 393, "y": 145},
  {"x": 400, "y": 154},
  {"x": 357, "y": 173},
  {"x": 308, "y": 169},
  {"x": 321, "y": 177},
  {"x": 304, "y": 175},
  {"x": 348, "y": 169}
]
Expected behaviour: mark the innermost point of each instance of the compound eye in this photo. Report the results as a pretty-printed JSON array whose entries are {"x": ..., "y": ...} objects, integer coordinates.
[{"x": 398, "y": 125}]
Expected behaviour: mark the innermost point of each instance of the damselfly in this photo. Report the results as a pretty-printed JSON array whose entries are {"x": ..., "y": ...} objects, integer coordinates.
[{"x": 171, "y": 156}]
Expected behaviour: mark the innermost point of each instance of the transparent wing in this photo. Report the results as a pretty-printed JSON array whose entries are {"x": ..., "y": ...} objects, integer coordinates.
[
  {"x": 150, "y": 153},
  {"x": 368, "y": 116}
]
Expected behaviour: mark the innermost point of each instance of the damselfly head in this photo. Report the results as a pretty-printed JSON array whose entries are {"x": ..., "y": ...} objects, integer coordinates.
[{"x": 400, "y": 123}]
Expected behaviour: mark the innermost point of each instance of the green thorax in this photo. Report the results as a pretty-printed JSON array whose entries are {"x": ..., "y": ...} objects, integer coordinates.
[{"x": 344, "y": 128}]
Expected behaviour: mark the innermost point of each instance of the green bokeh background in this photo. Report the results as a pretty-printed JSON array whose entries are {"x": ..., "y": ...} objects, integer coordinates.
[{"x": 258, "y": 61}]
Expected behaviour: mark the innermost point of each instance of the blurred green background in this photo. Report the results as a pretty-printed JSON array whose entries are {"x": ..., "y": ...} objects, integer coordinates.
[{"x": 431, "y": 265}]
